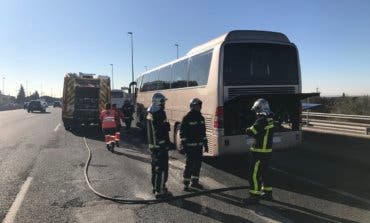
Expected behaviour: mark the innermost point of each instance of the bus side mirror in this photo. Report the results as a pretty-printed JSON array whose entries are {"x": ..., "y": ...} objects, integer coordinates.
[{"x": 131, "y": 88}]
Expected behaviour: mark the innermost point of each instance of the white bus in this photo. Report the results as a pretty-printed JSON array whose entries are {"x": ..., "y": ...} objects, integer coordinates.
[
  {"x": 228, "y": 74},
  {"x": 118, "y": 97}
]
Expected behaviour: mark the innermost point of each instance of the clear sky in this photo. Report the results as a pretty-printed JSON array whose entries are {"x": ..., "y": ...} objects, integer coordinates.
[{"x": 41, "y": 40}]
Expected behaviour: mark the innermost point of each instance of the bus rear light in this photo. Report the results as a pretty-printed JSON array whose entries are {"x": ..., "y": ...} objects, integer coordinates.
[{"x": 219, "y": 118}]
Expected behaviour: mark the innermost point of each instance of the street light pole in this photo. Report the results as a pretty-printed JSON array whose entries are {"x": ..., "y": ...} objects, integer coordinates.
[
  {"x": 132, "y": 54},
  {"x": 177, "y": 50},
  {"x": 112, "y": 77},
  {"x": 3, "y": 85}
]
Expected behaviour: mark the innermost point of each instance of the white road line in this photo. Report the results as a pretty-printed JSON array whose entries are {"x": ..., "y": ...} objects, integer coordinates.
[
  {"x": 57, "y": 127},
  {"x": 29, "y": 116},
  {"x": 322, "y": 185},
  {"x": 10, "y": 216}
]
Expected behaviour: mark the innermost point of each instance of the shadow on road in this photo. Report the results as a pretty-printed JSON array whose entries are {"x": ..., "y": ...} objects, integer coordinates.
[
  {"x": 302, "y": 214},
  {"x": 206, "y": 211},
  {"x": 317, "y": 161},
  {"x": 39, "y": 113}
]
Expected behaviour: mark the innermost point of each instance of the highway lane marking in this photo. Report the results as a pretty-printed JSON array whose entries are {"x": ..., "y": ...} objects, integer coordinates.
[
  {"x": 346, "y": 194},
  {"x": 29, "y": 116},
  {"x": 57, "y": 127},
  {"x": 11, "y": 214}
]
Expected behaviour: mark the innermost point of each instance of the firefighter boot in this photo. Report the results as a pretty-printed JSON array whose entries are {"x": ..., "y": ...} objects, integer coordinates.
[
  {"x": 196, "y": 185},
  {"x": 267, "y": 196}
]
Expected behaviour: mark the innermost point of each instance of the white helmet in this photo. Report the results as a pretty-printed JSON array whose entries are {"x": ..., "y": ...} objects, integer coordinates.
[
  {"x": 261, "y": 106},
  {"x": 195, "y": 101}
]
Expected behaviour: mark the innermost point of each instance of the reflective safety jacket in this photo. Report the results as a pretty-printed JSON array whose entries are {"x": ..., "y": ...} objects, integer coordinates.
[
  {"x": 157, "y": 129},
  {"x": 193, "y": 130},
  {"x": 108, "y": 120},
  {"x": 263, "y": 131}
]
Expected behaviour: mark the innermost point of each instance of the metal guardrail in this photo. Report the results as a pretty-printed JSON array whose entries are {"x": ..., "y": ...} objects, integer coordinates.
[{"x": 354, "y": 124}]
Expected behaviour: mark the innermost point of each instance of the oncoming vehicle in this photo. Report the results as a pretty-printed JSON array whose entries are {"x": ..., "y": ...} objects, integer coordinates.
[
  {"x": 57, "y": 104},
  {"x": 228, "y": 74},
  {"x": 36, "y": 105}
]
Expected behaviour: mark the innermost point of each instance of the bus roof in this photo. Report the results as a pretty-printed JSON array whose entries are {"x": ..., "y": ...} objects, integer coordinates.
[{"x": 235, "y": 35}]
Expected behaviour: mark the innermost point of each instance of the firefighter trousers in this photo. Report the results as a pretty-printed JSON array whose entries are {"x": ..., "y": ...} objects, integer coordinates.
[
  {"x": 193, "y": 165},
  {"x": 159, "y": 169},
  {"x": 259, "y": 174}
]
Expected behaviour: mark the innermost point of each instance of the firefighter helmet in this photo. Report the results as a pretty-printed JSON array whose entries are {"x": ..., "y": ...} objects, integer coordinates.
[
  {"x": 158, "y": 101},
  {"x": 195, "y": 101},
  {"x": 261, "y": 106}
]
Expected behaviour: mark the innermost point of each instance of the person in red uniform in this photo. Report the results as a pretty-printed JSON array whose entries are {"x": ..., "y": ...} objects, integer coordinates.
[
  {"x": 108, "y": 121},
  {"x": 118, "y": 116}
]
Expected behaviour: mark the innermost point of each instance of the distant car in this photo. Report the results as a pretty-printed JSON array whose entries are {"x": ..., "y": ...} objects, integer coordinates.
[
  {"x": 37, "y": 106},
  {"x": 57, "y": 104},
  {"x": 25, "y": 105}
]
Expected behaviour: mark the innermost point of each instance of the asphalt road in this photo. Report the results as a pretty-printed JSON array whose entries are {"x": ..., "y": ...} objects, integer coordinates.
[{"x": 327, "y": 179}]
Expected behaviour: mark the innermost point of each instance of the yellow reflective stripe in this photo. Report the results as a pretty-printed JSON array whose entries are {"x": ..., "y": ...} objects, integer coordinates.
[
  {"x": 162, "y": 142},
  {"x": 266, "y": 188},
  {"x": 269, "y": 126},
  {"x": 194, "y": 177},
  {"x": 265, "y": 139},
  {"x": 255, "y": 170},
  {"x": 193, "y": 123},
  {"x": 186, "y": 179},
  {"x": 254, "y": 130},
  {"x": 261, "y": 150},
  {"x": 151, "y": 146},
  {"x": 256, "y": 192}
]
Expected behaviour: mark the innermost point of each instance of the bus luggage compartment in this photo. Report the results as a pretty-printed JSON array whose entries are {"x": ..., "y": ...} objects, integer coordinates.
[{"x": 286, "y": 108}]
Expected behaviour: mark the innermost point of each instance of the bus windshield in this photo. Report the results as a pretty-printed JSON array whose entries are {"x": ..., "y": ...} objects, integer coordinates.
[{"x": 260, "y": 64}]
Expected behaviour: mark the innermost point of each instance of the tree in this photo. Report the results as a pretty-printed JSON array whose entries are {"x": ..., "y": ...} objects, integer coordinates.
[
  {"x": 34, "y": 96},
  {"x": 21, "y": 95}
]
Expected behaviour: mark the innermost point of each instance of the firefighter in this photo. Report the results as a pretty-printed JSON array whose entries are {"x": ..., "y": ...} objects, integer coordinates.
[
  {"x": 159, "y": 144},
  {"x": 127, "y": 110},
  {"x": 107, "y": 118},
  {"x": 193, "y": 139},
  {"x": 118, "y": 116},
  {"x": 262, "y": 130}
]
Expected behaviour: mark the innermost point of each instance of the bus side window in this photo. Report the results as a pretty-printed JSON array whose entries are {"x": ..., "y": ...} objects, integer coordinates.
[
  {"x": 199, "y": 69},
  {"x": 180, "y": 74},
  {"x": 164, "y": 79},
  {"x": 144, "y": 83}
]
